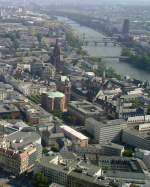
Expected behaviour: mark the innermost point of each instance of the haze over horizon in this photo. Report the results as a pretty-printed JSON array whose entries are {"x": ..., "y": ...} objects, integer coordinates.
[
  {"x": 73, "y": 2},
  {"x": 95, "y": 1}
]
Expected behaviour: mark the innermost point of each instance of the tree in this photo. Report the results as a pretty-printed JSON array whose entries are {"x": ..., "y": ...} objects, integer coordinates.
[
  {"x": 73, "y": 40},
  {"x": 148, "y": 110},
  {"x": 41, "y": 180},
  {"x": 126, "y": 52},
  {"x": 81, "y": 52},
  {"x": 45, "y": 151},
  {"x": 54, "y": 149},
  {"x": 137, "y": 103},
  {"x": 127, "y": 153},
  {"x": 110, "y": 73}
]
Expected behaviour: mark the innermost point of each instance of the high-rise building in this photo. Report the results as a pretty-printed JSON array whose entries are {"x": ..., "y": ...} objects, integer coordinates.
[{"x": 126, "y": 27}]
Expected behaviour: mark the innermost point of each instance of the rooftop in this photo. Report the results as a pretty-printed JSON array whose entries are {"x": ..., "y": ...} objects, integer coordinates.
[
  {"x": 105, "y": 123},
  {"x": 55, "y": 94},
  {"x": 74, "y": 132},
  {"x": 56, "y": 185},
  {"x": 120, "y": 164},
  {"x": 6, "y": 108},
  {"x": 76, "y": 168},
  {"x": 21, "y": 139},
  {"x": 139, "y": 119},
  {"x": 85, "y": 107},
  {"x": 142, "y": 134},
  {"x": 122, "y": 167},
  {"x": 5, "y": 86}
]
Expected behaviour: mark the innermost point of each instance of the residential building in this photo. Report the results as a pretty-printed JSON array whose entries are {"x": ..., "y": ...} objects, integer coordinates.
[
  {"x": 72, "y": 172},
  {"x": 137, "y": 136},
  {"x": 43, "y": 70},
  {"x": 126, "y": 106},
  {"x": 144, "y": 155},
  {"x": 138, "y": 119},
  {"x": 122, "y": 168},
  {"x": 19, "y": 150},
  {"x": 35, "y": 114},
  {"x": 5, "y": 91},
  {"x": 93, "y": 152},
  {"x": 51, "y": 139},
  {"x": 18, "y": 162},
  {"x": 9, "y": 111}
]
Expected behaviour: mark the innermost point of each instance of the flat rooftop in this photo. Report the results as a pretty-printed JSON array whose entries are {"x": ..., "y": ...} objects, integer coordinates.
[
  {"x": 85, "y": 107},
  {"x": 105, "y": 123},
  {"x": 36, "y": 110},
  {"x": 122, "y": 168},
  {"x": 6, "y": 128},
  {"x": 120, "y": 164},
  {"x": 21, "y": 139},
  {"x": 75, "y": 168},
  {"x": 7, "y": 108},
  {"x": 73, "y": 132},
  {"x": 136, "y": 132}
]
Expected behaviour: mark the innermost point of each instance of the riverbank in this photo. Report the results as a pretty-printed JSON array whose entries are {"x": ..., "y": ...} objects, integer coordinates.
[
  {"x": 121, "y": 68},
  {"x": 76, "y": 44},
  {"x": 86, "y": 20},
  {"x": 139, "y": 60}
]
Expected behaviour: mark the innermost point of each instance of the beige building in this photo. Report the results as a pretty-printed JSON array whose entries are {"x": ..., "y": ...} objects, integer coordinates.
[
  {"x": 17, "y": 162},
  {"x": 19, "y": 151},
  {"x": 75, "y": 136}
]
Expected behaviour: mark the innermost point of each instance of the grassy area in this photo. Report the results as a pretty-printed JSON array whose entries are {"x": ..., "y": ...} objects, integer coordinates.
[{"x": 35, "y": 98}]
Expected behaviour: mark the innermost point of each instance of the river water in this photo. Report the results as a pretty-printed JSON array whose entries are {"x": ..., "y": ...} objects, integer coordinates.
[{"x": 110, "y": 50}]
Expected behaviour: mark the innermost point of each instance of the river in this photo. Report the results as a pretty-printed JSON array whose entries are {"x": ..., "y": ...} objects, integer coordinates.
[{"x": 110, "y": 50}]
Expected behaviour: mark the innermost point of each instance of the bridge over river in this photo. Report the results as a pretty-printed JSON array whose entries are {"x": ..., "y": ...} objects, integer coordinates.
[
  {"x": 105, "y": 51},
  {"x": 98, "y": 41}
]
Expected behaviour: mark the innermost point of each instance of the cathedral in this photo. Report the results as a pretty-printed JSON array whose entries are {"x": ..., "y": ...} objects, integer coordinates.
[{"x": 56, "y": 58}]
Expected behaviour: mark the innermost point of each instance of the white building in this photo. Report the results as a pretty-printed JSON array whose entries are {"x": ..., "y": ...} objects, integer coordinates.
[
  {"x": 139, "y": 119},
  {"x": 105, "y": 131}
]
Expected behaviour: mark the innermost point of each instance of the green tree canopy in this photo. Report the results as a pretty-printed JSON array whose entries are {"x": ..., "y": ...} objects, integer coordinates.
[{"x": 41, "y": 180}]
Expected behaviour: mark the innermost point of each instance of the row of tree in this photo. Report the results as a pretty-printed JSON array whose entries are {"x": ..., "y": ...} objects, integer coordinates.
[
  {"x": 140, "y": 60},
  {"x": 72, "y": 39},
  {"x": 87, "y": 20}
]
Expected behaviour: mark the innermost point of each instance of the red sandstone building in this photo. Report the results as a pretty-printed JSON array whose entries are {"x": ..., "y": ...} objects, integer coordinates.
[{"x": 54, "y": 101}]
